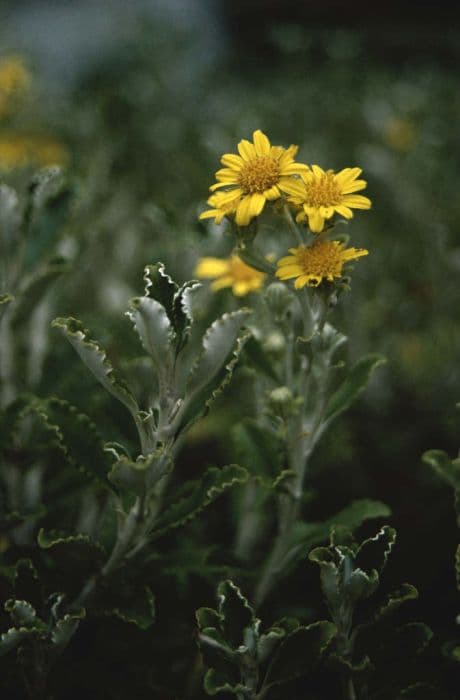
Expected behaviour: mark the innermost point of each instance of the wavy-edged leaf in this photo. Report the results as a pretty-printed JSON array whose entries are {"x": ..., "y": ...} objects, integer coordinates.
[
  {"x": 14, "y": 637},
  {"x": 352, "y": 386},
  {"x": 307, "y": 535},
  {"x": 136, "y": 609},
  {"x": 35, "y": 289},
  {"x": 373, "y": 553},
  {"x": 47, "y": 212},
  {"x": 299, "y": 653},
  {"x": 75, "y": 558},
  {"x": 197, "y": 405},
  {"x": 237, "y": 614},
  {"x": 215, "y": 683},
  {"x": 182, "y": 316},
  {"x": 208, "y": 617},
  {"x": 155, "y": 331},
  {"x": 135, "y": 476},
  {"x": 395, "y": 599},
  {"x": 95, "y": 358},
  {"x": 21, "y": 612},
  {"x": 445, "y": 467},
  {"x": 423, "y": 691},
  {"x": 87, "y": 455},
  {"x": 160, "y": 286},
  {"x": 218, "y": 343},
  {"x": 200, "y": 494},
  {"x": 65, "y": 628}
]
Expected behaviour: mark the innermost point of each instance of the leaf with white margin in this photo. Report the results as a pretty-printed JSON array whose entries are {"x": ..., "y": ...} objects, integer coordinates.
[
  {"x": 95, "y": 358},
  {"x": 154, "y": 329},
  {"x": 218, "y": 342}
]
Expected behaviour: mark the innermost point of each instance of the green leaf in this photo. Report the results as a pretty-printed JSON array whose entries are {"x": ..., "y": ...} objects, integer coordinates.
[
  {"x": 255, "y": 356},
  {"x": 136, "y": 476},
  {"x": 208, "y": 617},
  {"x": 35, "y": 289},
  {"x": 95, "y": 358},
  {"x": 10, "y": 221},
  {"x": 215, "y": 683},
  {"x": 395, "y": 599},
  {"x": 306, "y": 535},
  {"x": 160, "y": 286},
  {"x": 65, "y": 628},
  {"x": 352, "y": 386},
  {"x": 155, "y": 331},
  {"x": 218, "y": 343},
  {"x": 197, "y": 405},
  {"x": 47, "y": 212},
  {"x": 182, "y": 316},
  {"x": 422, "y": 691},
  {"x": 14, "y": 637},
  {"x": 136, "y": 609},
  {"x": 258, "y": 447},
  {"x": 299, "y": 653},
  {"x": 5, "y": 299},
  {"x": 86, "y": 455},
  {"x": 200, "y": 494},
  {"x": 237, "y": 614},
  {"x": 445, "y": 467},
  {"x": 73, "y": 558},
  {"x": 373, "y": 553},
  {"x": 22, "y": 613}
]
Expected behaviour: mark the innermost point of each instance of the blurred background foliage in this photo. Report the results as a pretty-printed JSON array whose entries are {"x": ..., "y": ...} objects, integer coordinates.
[{"x": 138, "y": 101}]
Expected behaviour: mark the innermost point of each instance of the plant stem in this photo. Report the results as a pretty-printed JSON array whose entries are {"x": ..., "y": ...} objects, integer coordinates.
[{"x": 292, "y": 225}]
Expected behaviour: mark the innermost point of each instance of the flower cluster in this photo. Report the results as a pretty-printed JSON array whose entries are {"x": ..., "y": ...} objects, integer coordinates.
[{"x": 262, "y": 173}]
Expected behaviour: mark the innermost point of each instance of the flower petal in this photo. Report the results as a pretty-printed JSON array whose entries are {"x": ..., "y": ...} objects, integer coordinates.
[
  {"x": 257, "y": 203},
  {"x": 356, "y": 201},
  {"x": 211, "y": 267},
  {"x": 315, "y": 220},
  {"x": 231, "y": 160},
  {"x": 261, "y": 143},
  {"x": 247, "y": 150},
  {"x": 243, "y": 216}
]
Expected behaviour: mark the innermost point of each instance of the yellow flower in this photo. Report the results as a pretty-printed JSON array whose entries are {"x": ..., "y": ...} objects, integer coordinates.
[
  {"x": 14, "y": 79},
  {"x": 230, "y": 272},
  {"x": 221, "y": 206},
  {"x": 321, "y": 261},
  {"x": 252, "y": 178},
  {"x": 18, "y": 151},
  {"x": 320, "y": 194}
]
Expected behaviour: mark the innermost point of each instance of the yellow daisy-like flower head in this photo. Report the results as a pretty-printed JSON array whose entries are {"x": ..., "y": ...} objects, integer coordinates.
[
  {"x": 321, "y": 193},
  {"x": 311, "y": 265},
  {"x": 252, "y": 178},
  {"x": 230, "y": 272}
]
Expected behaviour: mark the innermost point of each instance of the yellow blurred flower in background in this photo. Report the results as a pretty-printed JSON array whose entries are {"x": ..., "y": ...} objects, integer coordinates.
[
  {"x": 230, "y": 272},
  {"x": 400, "y": 134},
  {"x": 311, "y": 265},
  {"x": 322, "y": 193},
  {"x": 252, "y": 178},
  {"x": 19, "y": 151},
  {"x": 14, "y": 80}
]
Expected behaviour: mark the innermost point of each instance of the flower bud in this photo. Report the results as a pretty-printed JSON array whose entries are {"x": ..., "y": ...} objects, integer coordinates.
[{"x": 278, "y": 299}]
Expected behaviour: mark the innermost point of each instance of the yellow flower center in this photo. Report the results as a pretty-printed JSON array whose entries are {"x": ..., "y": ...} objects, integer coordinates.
[
  {"x": 259, "y": 174},
  {"x": 323, "y": 191},
  {"x": 321, "y": 259}
]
